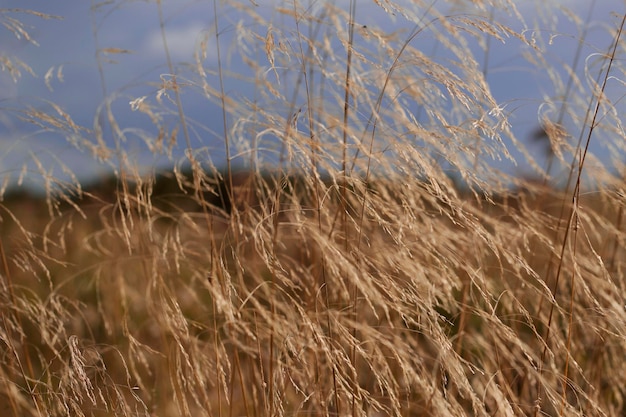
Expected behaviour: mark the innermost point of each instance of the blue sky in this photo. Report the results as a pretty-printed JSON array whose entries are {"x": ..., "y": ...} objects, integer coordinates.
[{"x": 69, "y": 43}]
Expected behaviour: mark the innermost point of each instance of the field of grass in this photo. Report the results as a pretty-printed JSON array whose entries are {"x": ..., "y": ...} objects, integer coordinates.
[{"x": 379, "y": 264}]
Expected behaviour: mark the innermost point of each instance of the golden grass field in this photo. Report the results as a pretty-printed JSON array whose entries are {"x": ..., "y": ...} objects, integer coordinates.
[{"x": 357, "y": 277}]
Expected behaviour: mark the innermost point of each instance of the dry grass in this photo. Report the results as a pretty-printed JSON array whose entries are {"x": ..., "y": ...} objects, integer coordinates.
[{"x": 345, "y": 271}]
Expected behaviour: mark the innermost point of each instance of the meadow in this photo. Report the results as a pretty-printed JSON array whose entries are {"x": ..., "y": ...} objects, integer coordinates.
[{"x": 361, "y": 252}]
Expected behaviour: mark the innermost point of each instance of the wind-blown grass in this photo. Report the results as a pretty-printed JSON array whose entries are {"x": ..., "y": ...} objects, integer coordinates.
[{"x": 370, "y": 260}]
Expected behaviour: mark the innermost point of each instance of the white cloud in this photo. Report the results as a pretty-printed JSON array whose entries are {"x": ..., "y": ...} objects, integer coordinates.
[{"x": 181, "y": 41}]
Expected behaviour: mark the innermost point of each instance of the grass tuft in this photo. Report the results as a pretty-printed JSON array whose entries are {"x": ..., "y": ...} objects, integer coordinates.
[{"x": 362, "y": 251}]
